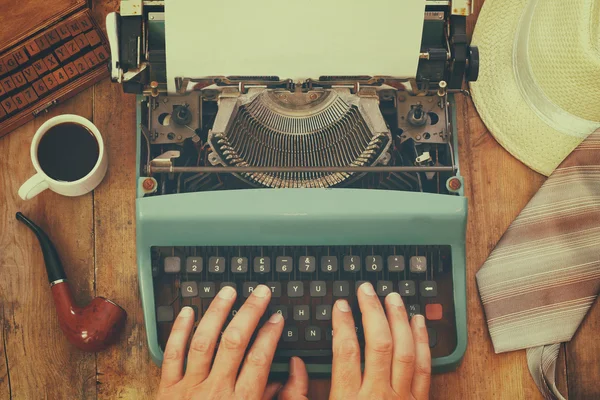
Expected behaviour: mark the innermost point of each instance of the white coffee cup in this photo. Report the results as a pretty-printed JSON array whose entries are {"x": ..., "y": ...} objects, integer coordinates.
[{"x": 41, "y": 181}]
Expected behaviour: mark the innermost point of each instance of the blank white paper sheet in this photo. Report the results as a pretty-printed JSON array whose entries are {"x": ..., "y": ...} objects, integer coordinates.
[{"x": 292, "y": 39}]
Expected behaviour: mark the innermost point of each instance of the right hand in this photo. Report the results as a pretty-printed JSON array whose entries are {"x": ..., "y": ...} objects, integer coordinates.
[{"x": 397, "y": 356}]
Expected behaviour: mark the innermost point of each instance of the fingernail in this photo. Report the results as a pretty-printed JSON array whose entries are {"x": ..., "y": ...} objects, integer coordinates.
[
  {"x": 343, "y": 305},
  {"x": 186, "y": 312},
  {"x": 367, "y": 289},
  {"x": 275, "y": 318},
  {"x": 293, "y": 365},
  {"x": 395, "y": 299},
  {"x": 227, "y": 292},
  {"x": 261, "y": 291},
  {"x": 419, "y": 320}
]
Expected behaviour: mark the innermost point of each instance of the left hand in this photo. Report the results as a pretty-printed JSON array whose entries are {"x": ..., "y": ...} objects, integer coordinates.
[{"x": 224, "y": 379}]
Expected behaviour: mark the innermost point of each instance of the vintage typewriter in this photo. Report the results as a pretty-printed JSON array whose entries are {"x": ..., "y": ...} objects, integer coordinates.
[{"x": 309, "y": 187}]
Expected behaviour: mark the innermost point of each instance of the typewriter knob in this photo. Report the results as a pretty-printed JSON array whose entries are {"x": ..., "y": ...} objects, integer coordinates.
[
  {"x": 472, "y": 72},
  {"x": 416, "y": 116},
  {"x": 181, "y": 115}
]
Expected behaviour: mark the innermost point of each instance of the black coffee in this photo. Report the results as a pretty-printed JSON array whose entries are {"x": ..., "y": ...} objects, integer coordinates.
[{"x": 68, "y": 152}]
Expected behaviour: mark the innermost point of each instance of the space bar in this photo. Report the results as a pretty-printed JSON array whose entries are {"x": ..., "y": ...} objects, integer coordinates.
[{"x": 304, "y": 353}]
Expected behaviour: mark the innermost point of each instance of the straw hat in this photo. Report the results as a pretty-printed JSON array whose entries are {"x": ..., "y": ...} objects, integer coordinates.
[{"x": 538, "y": 90}]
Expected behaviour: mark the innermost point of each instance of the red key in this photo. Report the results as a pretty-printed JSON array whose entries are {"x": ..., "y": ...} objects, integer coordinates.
[
  {"x": 93, "y": 37},
  {"x": 8, "y": 84},
  {"x": 40, "y": 67},
  {"x": 101, "y": 53},
  {"x": 74, "y": 27},
  {"x": 42, "y": 42},
  {"x": 433, "y": 312},
  {"x": 20, "y": 56},
  {"x": 50, "y": 82},
  {"x": 62, "y": 53},
  {"x": 81, "y": 65},
  {"x": 20, "y": 101},
  {"x": 32, "y": 48},
  {"x": 40, "y": 87},
  {"x": 91, "y": 59},
  {"x": 52, "y": 36},
  {"x": 61, "y": 76},
  {"x": 30, "y": 73},
  {"x": 72, "y": 47},
  {"x": 10, "y": 62},
  {"x": 71, "y": 70},
  {"x": 18, "y": 79},
  {"x": 3, "y": 68},
  {"x": 63, "y": 31},
  {"x": 2, "y": 113},
  {"x": 1, "y": 90},
  {"x": 50, "y": 61},
  {"x": 81, "y": 40},
  {"x": 30, "y": 95},
  {"x": 9, "y": 105},
  {"x": 85, "y": 23}
]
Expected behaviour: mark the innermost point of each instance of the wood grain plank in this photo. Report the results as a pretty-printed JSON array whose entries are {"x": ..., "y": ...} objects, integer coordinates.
[
  {"x": 125, "y": 370},
  {"x": 5, "y": 389},
  {"x": 583, "y": 358},
  {"x": 39, "y": 357}
]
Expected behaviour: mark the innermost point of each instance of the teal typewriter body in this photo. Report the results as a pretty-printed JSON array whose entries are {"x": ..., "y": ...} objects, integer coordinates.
[{"x": 310, "y": 188}]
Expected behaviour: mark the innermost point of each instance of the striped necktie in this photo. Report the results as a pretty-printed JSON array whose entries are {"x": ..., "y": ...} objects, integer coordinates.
[{"x": 544, "y": 274}]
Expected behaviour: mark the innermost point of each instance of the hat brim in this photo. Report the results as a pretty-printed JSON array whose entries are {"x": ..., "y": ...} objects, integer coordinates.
[{"x": 498, "y": 99}]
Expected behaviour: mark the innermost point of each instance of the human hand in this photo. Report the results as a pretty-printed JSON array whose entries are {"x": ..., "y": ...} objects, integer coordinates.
[
  {"x": 397, "y": 357},
  {"x": 224, "y": 379}
]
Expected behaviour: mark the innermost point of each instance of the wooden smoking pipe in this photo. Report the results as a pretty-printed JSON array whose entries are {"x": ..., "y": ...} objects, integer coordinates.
[{"x": 90, "y": 328}]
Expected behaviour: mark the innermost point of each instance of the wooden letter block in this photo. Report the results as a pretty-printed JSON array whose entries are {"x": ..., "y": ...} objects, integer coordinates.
[
  {"x": 40, "y": 67},
  {"x": 93, "y": 37},
  {"x": 32, "y": 48},
  {"x": 7, "y": 84},
  {"x": 50, "y": 82},
  {"x": 71, "y": 70},
  {"x": 53, "y": 36},
  {"x": 18, "y": 79},
  {"x": 50, "y": 62},
  {"x": 40, "y": 87},
  {"x": 20, "y": 101},
  {"x": 20, "y": 55},
  {"x": 9, "y": 105},
  {"x": 63, "y": 31},
  {"x": 101, "y": 53},
  {"x": 61, "y": 76},
  {"x": 30, "y": 95},
  {"x": 30, "y": 73}
]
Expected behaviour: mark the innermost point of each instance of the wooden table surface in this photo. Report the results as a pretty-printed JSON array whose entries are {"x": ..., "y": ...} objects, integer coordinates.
[{"x": 95, "y": 236}]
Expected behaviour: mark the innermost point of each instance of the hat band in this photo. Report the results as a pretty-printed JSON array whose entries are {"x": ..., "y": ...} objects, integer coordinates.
[{"x": 556, "y": 117}]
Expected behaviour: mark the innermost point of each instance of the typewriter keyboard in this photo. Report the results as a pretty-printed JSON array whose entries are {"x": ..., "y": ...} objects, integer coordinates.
[{"x": 305, "y": 282}]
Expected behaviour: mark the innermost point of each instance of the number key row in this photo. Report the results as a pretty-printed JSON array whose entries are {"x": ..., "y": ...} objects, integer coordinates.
[{"x": 306, "y": 264}]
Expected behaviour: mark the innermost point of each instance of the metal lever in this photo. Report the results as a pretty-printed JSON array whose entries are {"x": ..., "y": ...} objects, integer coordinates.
[{"x": 113, "y": 20}]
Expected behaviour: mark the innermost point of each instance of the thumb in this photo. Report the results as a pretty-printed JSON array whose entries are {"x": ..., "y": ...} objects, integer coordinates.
[{"x": 296, "y": 388}]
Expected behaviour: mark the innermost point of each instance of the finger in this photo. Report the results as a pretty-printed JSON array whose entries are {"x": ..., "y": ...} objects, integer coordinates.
[
  {"x": 378, "y": 338},
  {"x": 296, "y": 388},
  {"x": 237, "y": 335},
  {"x": 202, "y": 347},
  {"x": 345, "y": 370},
  {"x": 271, "y": 390},
  {"x": 404, "y": 349},
  {"x": 255, "y": 371},
  {"x": 172, "y": 365},
  {"x": 422, "y": 376}
]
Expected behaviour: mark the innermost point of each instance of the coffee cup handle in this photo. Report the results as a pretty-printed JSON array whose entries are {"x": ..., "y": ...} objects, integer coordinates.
[{"x": 34, "y": 186}]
